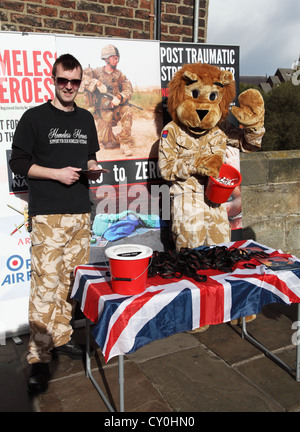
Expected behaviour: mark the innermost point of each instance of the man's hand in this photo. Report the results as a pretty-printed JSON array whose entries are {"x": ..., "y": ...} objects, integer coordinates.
[
  {"x": 93, "y": 166},
  {"x": 68, "y": 175}
]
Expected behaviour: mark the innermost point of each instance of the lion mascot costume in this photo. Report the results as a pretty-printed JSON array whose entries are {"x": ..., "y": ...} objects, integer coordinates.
[{"x": 193, "y": 147}]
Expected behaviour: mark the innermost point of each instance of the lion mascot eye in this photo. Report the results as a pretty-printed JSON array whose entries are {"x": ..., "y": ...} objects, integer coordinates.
[
  {"x": 213, "y": 96},
  {"x": 195, "y": 93}
]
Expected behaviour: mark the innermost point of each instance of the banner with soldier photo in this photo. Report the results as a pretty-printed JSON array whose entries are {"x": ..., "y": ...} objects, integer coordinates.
[
  {"x": 226, "y": 57},
  {"x": 121, "y": 87}
]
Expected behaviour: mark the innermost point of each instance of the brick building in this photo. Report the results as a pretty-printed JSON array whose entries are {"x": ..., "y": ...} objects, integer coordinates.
[{"x": 174, "y": 20}]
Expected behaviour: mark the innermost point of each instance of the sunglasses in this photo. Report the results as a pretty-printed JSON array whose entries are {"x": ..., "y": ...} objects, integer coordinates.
[{"x": 63, "y": 82}]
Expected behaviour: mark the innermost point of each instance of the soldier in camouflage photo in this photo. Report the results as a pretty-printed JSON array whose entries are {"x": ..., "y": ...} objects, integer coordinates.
[
  {"x": 53, "y": 142},
  {"x": 108, "y": 92}
]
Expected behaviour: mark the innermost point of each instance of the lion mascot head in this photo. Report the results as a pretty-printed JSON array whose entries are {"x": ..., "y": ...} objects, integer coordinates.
[{"x": 200, "y": 96}]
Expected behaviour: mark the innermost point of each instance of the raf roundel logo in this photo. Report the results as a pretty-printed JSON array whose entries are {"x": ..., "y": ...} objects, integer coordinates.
[{"x": 15, "y": 262}]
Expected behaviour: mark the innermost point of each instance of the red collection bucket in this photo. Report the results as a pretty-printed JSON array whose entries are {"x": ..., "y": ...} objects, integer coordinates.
[
  {"x": 129, "y": 265},
  {"x": 218, "y": 192}
]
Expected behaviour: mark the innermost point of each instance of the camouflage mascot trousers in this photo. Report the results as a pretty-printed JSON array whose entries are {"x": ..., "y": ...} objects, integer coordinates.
[
  {"x": 195, "y": 221},
  {"x": 59, "y": 243}
]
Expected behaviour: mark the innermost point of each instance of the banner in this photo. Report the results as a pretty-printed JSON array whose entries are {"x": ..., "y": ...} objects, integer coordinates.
[
  {"x": 173, "y": 55},
  {"x": 131, "y": 198},
  {"x": 25, "y": 81},
  {"x": 129, "y": 193}
]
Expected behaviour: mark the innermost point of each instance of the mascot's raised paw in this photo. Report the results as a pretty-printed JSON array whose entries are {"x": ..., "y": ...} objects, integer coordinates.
[{"x": 251, "y": 110}]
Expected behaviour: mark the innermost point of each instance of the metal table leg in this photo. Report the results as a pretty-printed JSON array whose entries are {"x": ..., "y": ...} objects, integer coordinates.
[
  {"x": 88, "y": 367},
  {"x": 271, "y": 355},
  {"x": 298, "y": 346},
  {"x": 121, "y": 382}
]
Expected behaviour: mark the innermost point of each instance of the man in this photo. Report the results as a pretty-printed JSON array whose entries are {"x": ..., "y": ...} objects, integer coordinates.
[
  {"x": 108, "y": 92},
  {"x": 52, "y": 144}
]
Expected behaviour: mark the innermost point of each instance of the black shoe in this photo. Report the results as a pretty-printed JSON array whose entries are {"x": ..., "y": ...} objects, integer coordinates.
[
  {"x": 71, "y": 349},
  {"x": 38, "y": 378}
]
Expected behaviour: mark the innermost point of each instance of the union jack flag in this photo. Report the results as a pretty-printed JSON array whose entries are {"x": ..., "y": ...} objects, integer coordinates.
[{"x": 168, "y": 306}]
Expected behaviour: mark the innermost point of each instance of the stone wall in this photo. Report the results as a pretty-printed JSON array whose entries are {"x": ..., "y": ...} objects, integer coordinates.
[{"x": 271, "y": 199}]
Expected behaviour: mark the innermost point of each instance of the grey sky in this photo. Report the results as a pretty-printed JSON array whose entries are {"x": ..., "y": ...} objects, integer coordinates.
[{"x": 267, "y": 31}]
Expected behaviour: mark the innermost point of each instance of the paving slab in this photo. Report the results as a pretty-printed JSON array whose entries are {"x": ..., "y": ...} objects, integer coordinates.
[
  {"x": 76, "y": 393},
  {"x": 271, "y": 328},
  {"x": 13, "y": 393},
  {"x": 273, "y": 380},
  {"x": 196, "y": 380},
  {"x": 159, "y": 348}
]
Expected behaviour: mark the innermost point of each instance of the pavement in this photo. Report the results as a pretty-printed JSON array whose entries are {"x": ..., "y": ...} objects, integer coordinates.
[{"x": 214, "y": 371}]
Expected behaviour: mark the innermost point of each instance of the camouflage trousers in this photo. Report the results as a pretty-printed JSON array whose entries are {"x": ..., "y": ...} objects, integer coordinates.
[
  {"x": 196, "y": 223},
  {"x": 58, "y": 244},
  {"x": 107, "y": 119}
]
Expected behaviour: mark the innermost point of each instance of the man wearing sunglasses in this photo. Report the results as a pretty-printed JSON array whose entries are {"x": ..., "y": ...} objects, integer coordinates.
[{"x": 53, "y": 142}]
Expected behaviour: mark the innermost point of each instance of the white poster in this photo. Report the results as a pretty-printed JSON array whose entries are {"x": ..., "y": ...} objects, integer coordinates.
[{"x": 25, "y": 81}]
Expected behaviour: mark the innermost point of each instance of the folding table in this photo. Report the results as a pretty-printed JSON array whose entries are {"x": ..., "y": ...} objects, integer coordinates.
[{"x": 123, "y": 323}]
